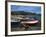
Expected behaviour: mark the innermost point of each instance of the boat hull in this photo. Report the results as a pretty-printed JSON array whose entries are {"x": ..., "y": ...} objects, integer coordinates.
[{"x": 29, "y": 22}]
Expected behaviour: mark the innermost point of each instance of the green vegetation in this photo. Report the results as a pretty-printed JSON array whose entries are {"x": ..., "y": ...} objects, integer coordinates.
[{"x": 23, "y": 13}]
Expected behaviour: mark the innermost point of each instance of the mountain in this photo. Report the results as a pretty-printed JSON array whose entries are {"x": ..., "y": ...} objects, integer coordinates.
[{"x": 22, "y": 13}]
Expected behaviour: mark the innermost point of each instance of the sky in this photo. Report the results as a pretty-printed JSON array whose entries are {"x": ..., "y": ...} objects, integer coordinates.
[{"x": 33, "y": 9}]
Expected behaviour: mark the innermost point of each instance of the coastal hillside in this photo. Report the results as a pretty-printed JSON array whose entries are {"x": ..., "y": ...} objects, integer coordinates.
[{"x": 23, "y": 13}]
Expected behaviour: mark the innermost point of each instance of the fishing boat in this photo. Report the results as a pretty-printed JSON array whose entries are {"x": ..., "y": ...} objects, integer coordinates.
[{"x": 29, "y": 21}]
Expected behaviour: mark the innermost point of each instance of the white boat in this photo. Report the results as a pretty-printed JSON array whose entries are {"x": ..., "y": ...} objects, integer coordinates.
[{"x": 29, "y": 22}]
